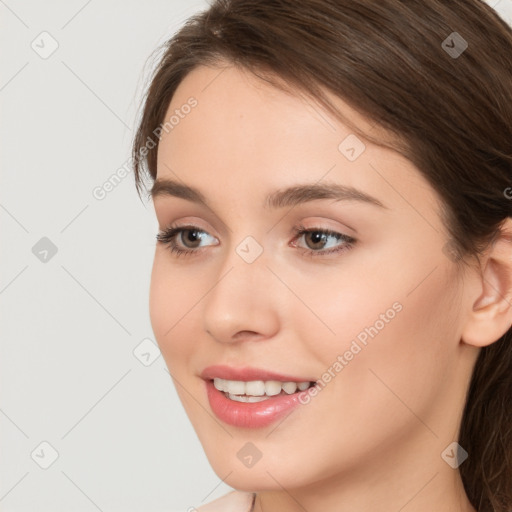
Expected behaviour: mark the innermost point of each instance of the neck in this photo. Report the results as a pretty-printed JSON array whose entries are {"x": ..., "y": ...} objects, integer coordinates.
[
  {"x": 422, "y": 483},
  {"x": 369, "y": 501}
]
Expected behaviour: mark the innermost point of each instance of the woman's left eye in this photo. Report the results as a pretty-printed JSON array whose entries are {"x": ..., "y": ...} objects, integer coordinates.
[
  {"x": 321, "y": 236},
  {"x": 316, "y": 236}
]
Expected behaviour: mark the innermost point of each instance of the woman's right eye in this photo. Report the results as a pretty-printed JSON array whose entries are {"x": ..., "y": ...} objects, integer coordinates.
[{"x": 193, "y": 234}]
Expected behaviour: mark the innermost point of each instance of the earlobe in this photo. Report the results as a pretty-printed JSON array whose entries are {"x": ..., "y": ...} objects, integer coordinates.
[{"x": 491, "y": 314}]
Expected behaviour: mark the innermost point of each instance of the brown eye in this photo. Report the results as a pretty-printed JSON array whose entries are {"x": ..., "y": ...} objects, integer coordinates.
[
  {"x": 317, "y": 238},
  {"x": 317, "y": 241},
  {"x": 189, "y": 237}
]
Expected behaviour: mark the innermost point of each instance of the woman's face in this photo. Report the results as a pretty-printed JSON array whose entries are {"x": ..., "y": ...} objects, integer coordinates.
[{"x": 373, "y": 312}]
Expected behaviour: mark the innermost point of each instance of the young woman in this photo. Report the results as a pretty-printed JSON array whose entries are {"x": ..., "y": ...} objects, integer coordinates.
[{"x": 332, "y": 280}]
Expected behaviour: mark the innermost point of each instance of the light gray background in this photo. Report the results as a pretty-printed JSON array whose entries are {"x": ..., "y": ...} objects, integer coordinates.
[{"x": 73, "y": 323}]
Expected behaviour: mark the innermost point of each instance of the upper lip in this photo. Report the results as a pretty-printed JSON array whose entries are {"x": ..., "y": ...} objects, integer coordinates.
[{"x": 247, "y": 374}]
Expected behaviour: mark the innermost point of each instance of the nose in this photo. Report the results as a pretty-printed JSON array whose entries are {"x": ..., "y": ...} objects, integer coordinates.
[{"x": 243, "y": 302}]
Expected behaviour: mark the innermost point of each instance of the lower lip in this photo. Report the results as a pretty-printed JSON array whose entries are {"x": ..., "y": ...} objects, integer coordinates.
[{"x": 251, "y": 414}]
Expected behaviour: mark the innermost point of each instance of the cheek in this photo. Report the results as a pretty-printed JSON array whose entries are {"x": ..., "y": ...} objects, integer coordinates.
[
  {"x": 401, "y": 298},
  {"x": 395, "y": 321},
  {"x": 171, "y": 309},
  {"x": 406, "y": 360},
  {"x": 345, "y": 304}
]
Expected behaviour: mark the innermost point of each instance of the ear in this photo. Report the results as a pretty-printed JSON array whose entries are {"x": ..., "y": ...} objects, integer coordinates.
[{"x": 491, "y": 314}]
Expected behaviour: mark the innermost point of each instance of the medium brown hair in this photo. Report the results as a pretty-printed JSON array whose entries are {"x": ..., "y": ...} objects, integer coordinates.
[{"x": 449, "y": 114}]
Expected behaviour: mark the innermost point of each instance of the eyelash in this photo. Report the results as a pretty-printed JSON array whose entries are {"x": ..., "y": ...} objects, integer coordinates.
[{"x": 167, "y": 237}]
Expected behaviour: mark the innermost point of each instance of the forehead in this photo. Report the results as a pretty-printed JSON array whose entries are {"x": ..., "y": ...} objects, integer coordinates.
[
  {"x": 230, "y": 94},
  {"x": 239, "y": 115},
  {"x": 249, "y": 137}
]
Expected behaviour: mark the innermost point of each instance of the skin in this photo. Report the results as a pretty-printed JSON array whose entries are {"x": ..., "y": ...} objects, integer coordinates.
[{"x": 373, "y": 436}]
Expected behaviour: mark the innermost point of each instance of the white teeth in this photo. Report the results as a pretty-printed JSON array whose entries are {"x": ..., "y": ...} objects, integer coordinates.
[
  {"x": 273, "y": 387},
  {"x": 235, "y": 387},
  {"x": 290, "y": 387},
  {"x": 257, "y": 388}
]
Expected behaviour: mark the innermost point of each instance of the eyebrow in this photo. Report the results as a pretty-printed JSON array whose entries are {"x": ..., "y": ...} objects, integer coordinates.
[{"x": 281, "y": 198}]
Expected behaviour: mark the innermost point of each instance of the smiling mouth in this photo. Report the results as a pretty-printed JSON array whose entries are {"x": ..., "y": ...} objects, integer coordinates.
[{"x": 258, "y": 390}]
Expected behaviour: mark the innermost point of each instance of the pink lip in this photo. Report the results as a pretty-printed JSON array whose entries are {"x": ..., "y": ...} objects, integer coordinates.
[
  {"x": 250, "y": 414},
  {"x": 248, "y": 374}
]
